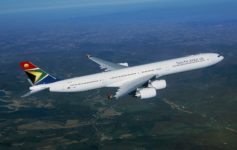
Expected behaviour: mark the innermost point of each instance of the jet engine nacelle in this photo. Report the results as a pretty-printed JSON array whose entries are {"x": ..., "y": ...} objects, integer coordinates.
[
  {"x": 146, "y": 93},
  {"x": 158, "y": 84},
  {"x": 125, "y": 64}
]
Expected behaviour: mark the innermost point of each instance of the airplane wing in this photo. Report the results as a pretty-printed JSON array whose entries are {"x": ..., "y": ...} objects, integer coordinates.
[
  {"x": 132, "y": 85},
  {"x": 108, "y": 66}
]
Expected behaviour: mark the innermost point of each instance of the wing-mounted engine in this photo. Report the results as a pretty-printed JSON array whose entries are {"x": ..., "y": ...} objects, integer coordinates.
[
  {"x": 150, "y": 90},
  {"x": 145, "y": 93},
  {"x": 157, "y": 84},
  {"x": 125, "y": 64}
]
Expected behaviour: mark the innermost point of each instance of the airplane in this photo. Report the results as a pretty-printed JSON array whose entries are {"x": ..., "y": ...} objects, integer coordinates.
[{"x": 141, "y": 81}]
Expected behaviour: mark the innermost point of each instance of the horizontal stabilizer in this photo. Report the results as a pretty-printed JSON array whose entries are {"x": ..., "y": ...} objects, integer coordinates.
[{"x": 33, "y": 92}]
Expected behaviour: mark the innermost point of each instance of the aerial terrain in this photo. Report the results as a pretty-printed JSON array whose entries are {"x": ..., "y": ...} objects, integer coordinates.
[{"x": 197, "y": 110}]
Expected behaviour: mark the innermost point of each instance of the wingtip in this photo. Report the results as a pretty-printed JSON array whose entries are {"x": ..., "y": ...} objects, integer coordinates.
[
  {"x": 26, "y": 94},
  {"x": 88, "y": 55},
  {"x": 110, "y": 96}
]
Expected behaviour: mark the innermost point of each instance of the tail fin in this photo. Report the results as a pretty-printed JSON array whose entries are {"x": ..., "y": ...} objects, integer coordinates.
[{"x": 35, "y": 74}]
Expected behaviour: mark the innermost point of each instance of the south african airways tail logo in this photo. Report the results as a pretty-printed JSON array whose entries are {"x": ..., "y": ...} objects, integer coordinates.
[{"x": 35, "y": 74}]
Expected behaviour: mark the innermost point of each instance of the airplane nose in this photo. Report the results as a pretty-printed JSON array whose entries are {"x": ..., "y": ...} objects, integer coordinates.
[{"x": 221, "y": 58}]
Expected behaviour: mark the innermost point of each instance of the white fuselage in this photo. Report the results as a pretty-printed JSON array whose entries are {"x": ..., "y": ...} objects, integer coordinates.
[{"x": 118, "y": 77}]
